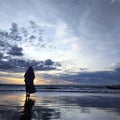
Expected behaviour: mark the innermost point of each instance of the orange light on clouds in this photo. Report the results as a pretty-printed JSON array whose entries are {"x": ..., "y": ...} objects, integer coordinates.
[
  {"x": 18, "y": 78},
  {"x": 42, "y": 81},
  {"x": 11, "y": 80}
]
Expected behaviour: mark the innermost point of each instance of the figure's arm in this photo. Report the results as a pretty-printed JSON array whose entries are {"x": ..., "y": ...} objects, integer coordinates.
[
  {"x": 25, "y": 75},
  {"x": 33, "y": 75}
]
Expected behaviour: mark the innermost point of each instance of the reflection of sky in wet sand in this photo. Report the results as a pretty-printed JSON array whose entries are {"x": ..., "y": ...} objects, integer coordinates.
[{"x": 61, "y": 106}]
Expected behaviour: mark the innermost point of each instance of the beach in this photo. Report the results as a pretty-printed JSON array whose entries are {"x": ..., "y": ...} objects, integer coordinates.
[{"x": 59, "y": 106}]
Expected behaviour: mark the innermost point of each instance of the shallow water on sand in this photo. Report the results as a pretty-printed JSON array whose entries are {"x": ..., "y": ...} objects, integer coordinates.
[{"x": 59, "y": 106}]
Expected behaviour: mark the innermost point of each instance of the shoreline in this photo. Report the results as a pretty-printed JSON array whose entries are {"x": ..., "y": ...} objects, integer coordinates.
[
  {"x": 64, "y": 88},
  {"x": 59, "y": 105}
]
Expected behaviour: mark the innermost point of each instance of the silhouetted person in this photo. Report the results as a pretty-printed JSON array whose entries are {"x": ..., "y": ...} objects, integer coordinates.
[
  {"x": 29, "y": 81},
  {"x": 26, "y": 114}
]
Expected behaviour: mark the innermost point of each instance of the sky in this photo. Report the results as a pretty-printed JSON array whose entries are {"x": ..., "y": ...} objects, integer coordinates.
[{"x": 66, "y": 41}]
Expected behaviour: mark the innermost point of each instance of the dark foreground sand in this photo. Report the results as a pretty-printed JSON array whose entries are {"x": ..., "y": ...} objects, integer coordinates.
[{"x": 59, "y": 106}]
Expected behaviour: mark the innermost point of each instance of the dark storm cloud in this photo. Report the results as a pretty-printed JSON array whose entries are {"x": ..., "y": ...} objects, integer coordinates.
[
  {"x": 5, "y": 65},
  {"x": 14, "y": 33},
  {"x": 15, "y": 51},
  {"x": 49, "y": 62},
  {"x": 117, "y": 68},
  {"x": 19, "y": 65},
  {"x": 17, "y": 36},
  {"x": 32, "y": 37},
  {"x": 10, "y": 46},
  {"x": 9, "y": 39},
  {"x": 1, "y": 55},
  {"x": 90, "y": 78},
  {"x": 4, "y": 37}
]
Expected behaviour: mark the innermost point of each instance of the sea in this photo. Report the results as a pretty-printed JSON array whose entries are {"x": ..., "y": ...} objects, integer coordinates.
[
  {"x": 60, "y": 102},
  {"x": 64, "y": 88}
]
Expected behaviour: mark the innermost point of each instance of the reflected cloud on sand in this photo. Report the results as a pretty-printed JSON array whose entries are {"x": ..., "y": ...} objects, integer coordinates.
[{"x": 45, "y": 113}]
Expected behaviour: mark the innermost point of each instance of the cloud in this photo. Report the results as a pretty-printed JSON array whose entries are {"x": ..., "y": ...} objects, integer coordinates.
[
  {"x": 27, "y": 40},
  {"x": 49, "y": 62},
  {"x": 4, "y": 37},
  {"x": 91, "y": 30},
  {"x": 113, "y": 1},
  {"x": 19, "y": 65},
  {"x": 61, "y": 30},
  {"x": 1, "y": 55},
  {"x": 116, "y": 67},
  {"x": 89, "y": 78},
  {"x": 32, "y": 37},
  {"x": 14, "y": 31},
  {"x": 31, "y": 34},
  {"x": 15, "y": 51},
  {"x": 5, "y": 65}
]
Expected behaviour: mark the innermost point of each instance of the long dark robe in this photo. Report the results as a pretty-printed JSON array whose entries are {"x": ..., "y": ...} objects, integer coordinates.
[{"x": 29, "y": 80}]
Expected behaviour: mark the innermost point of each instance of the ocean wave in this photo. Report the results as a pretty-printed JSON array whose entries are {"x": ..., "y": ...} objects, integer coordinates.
[{"x": 60, "y": 88}]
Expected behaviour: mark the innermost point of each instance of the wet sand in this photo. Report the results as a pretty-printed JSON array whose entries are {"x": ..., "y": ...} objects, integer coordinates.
[{"x": 59, "y": 106}]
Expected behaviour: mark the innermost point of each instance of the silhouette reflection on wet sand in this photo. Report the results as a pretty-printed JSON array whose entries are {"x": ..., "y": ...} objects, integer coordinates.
[
  {"x": 60, "y": 106},
  {"x": 39, "y": 112},
  {"x": 26, "y": 114}
]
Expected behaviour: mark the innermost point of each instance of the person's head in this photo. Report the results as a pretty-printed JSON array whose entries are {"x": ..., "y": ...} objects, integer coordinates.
[{"x": 30, "y": 68}]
